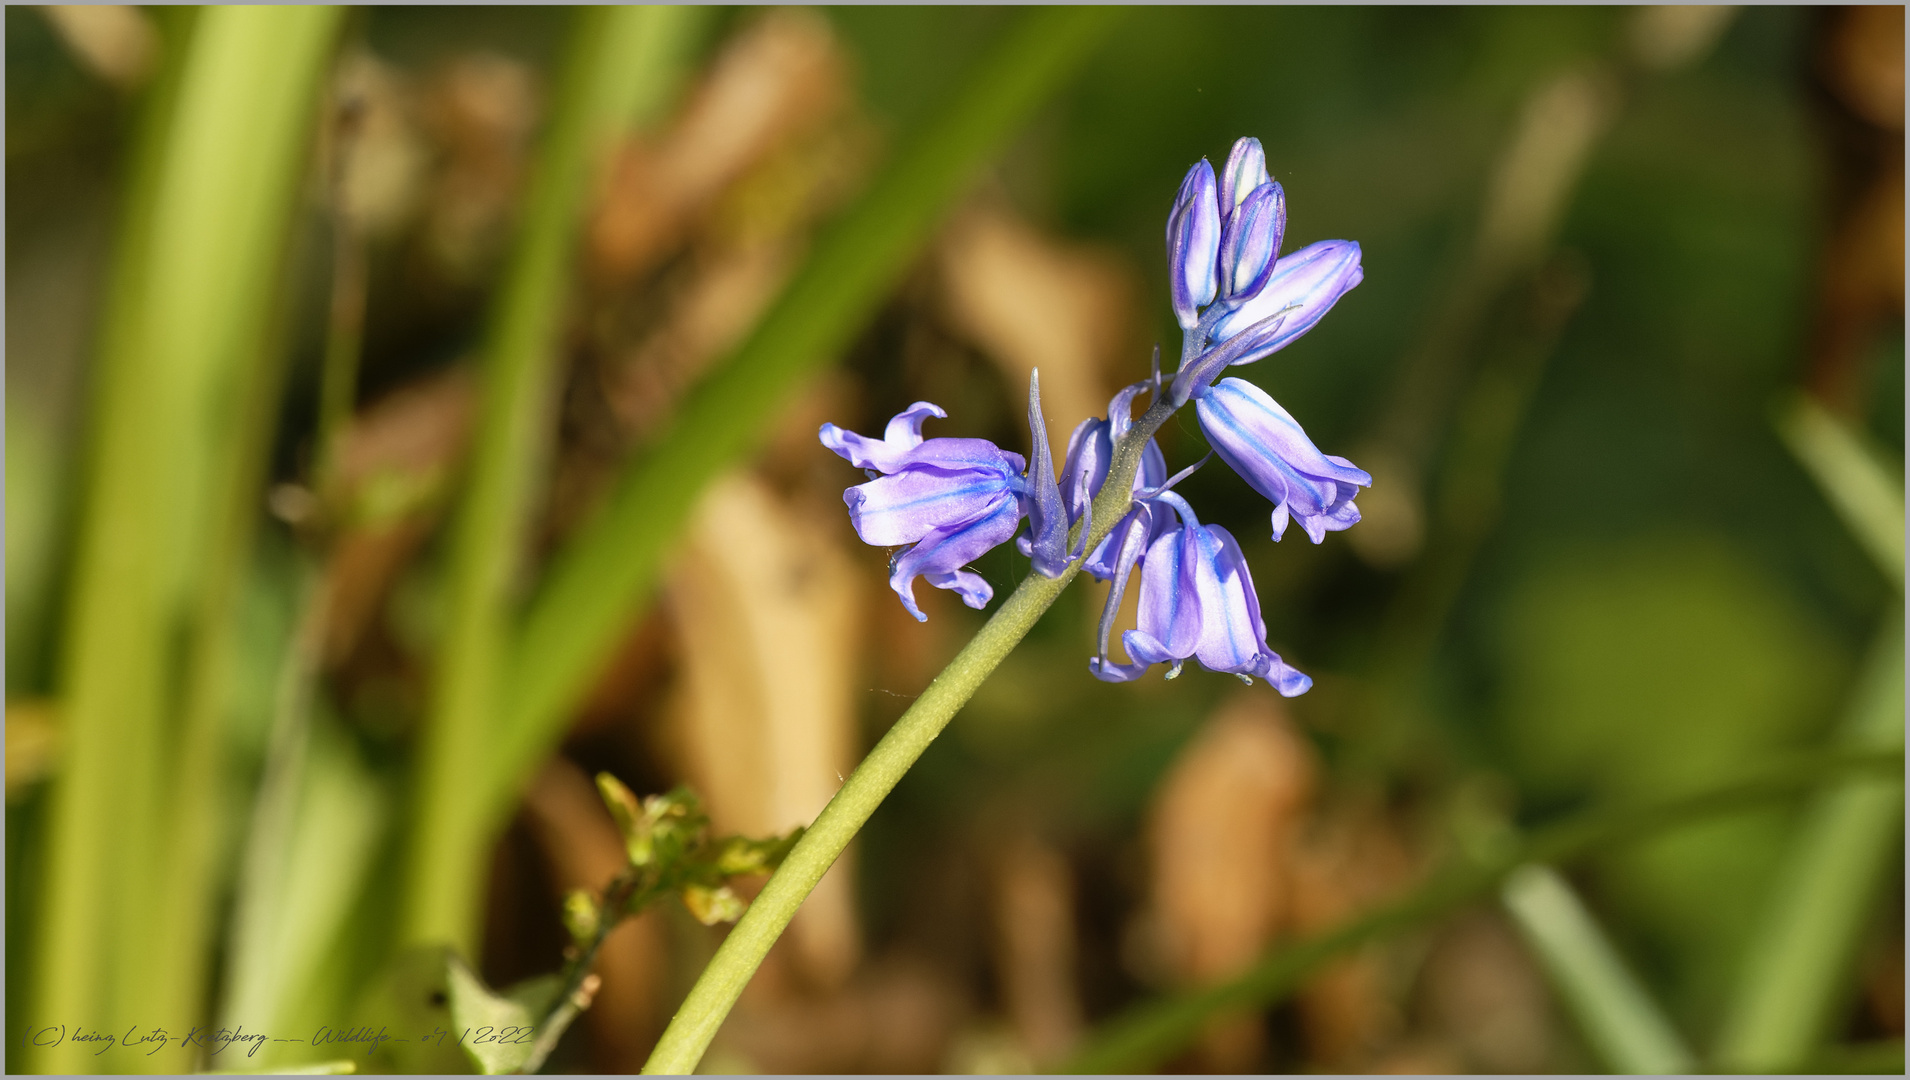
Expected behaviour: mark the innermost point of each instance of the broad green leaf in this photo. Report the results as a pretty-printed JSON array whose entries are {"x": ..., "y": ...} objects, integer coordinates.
[
  {"x": 309, "y": 856},
  {"x": 496, "y": 1030}
]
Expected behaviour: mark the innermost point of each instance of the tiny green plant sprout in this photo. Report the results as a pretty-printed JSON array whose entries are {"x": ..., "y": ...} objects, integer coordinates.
[{"x": 669, "y": 850}]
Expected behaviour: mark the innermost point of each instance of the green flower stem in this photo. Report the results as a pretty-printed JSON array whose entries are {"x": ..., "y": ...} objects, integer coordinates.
[
  {"x": 620, "y": 65},
  {"x": 1151, "y": 1033},
  {"x": 716, "y": 991}
]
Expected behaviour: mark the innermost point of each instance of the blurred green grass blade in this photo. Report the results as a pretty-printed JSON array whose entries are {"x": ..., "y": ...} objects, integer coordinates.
[
  {"x": 622, "y": 66},
  {"x": 1865, "y": 489},
  {"x": 1148, "y": 1035},
  {"x": 177, "y": 420},
  {"x": 297, "y": 890},
  {"x": 1800, "y": 958},
  {"x": 1617, "y": 1015},
  {"x": 611, "y": 565}
]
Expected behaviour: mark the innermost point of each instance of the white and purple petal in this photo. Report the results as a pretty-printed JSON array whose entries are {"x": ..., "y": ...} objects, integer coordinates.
[
  {"x": 1233, "y": 637},
  {"x": 945, "y": 549},
  {"x": 1269, "y": 449},
  {"x": 1169, "y": 629},
  {"x": 1250, "y": 241},
  {"x": 906, "y": 506},
  {"x": 1246, "y": 170},
  {"x": 904, "y": 434},
  {"x": 1305, "y": 285},
  {"x": 1193, "y": 244}
]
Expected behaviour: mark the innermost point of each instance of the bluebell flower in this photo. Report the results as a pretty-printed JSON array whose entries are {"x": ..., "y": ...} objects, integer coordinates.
[
  {"x": 1193, "y": 244},
  {"x": 1261, "y": 301},
  {"x": 1245, "y": 172},
  {"x": 949, "y": 500},
  {"x": 1253, "y": 215},
  {"x": 1091, "y": 454},
  {"x": 1304, "y": 284},
  {"x": 1197, "y": 600},
  {"x": 1269, "y": 449}
]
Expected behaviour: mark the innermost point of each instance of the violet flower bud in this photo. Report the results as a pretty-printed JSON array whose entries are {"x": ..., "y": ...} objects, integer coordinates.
[{"x": 1193, "y": 244}]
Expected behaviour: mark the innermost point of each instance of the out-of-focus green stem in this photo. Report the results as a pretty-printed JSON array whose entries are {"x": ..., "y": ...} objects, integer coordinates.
[
  {"x": 181, "y": 410},
  {"x": 1150, "y": 1034},
  {"x": 1825, "y": 886},
  {"x": 1866, "y": 492},
  {"x": 1615, "y": 1011},
  {"x": 614, "y": 560},
  {"x": 620, "y": 68}
]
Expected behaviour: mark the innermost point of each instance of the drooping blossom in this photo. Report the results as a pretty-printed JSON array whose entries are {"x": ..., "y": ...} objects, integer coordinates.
[
  {"x": 1197, "y": 600},
  {"x": 1269, "y": 449},
  {"x": 948, "y": 500}
]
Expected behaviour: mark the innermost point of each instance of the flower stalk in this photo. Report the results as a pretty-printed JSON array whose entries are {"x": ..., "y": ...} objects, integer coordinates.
[{"x": 716, "y": 990}]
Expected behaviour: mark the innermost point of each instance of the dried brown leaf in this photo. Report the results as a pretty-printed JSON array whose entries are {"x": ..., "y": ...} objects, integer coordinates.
[
  {"x": 376, "y": 149},
  {"x": 764, "y": 604},
  {"x": 897, "y": 1016},
  {"x": 394, "y": 467},
  {"x": 479, "y": 111},
  {"x": 1035, "y": 941},
  {"x": 1349, "y": 859},
  {"x": 1031, "y": 300},
  {"x": 1219, "y": 835},
  {"x": 1483, "y": 996},
  {"x": 1863, "y": 63},
  {"x": 116, "y": 42},
  {"x": 778, "y": 78}
]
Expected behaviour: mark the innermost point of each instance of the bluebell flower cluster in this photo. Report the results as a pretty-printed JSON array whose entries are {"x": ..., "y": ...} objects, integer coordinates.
[{"x": 943, "y": 502}]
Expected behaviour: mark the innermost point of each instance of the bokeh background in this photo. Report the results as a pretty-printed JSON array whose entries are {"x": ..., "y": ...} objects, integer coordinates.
[{"x": 1607, "y": 250}]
